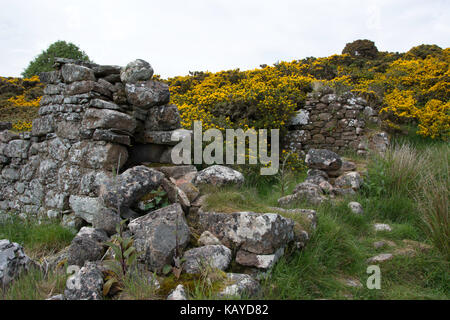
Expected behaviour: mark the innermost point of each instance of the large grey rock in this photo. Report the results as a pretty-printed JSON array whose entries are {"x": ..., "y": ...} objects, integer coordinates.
[
  {"x": 85, "y": 207},
  {"x": 86, "y": 284},
  {"x": 13, "y": 261},
  {"x": 82, "y": 87},
  {"x": 323, "y": 160},
  {"x": 218, "y": 175},
  {"x": 73, "y": 72},
  {"x": 157, "y": 235},
  {"x": 253, "y": 232},
  {"x": 108, "y": 119},
  {"x": 87, "y": 246},
  {"x": 138, "y": 70},
  {"x": 128, "y": 188},
  {"x": 98, "y": 155},
  {"x": 240, "y": 285},
  {"x": 212, "y": 256},
  {"x": 163, "y": 118},
  {"x": 17, "y": 149},
  {"x": 106, "y": 219},
  {"x": 147, "y": 94},
  {"x": 106, "y": 70}
]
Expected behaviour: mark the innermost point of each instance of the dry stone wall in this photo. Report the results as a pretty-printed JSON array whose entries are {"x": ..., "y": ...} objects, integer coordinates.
[
  {"x": 93, "y": 119},
  {"x": 330, "y": 121}
]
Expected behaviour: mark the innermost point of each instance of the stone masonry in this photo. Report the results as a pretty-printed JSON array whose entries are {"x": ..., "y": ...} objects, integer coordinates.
[
  {"x": 93, "y": 119},
  {"x": 329, "y": 121}
]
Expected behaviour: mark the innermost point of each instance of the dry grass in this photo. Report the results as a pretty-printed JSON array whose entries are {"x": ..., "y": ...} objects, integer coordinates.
[
  {"x": 404, "y": 168},
  {"x": 433, "y": 203}
]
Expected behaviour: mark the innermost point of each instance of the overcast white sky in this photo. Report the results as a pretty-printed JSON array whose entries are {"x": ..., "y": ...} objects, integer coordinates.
[{"x": 179, "y": 36}]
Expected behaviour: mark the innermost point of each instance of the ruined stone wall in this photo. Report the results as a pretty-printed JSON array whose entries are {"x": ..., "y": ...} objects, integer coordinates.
[
  {"x": 92, "y": 120},
  {"x": 330, "y": 121},
  {"x": 95, "y": 119}
]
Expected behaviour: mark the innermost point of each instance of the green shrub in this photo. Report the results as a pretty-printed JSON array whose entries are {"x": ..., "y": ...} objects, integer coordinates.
[
  {"x": 361, "y": 48},
  {"x": 44, "y": 62}
]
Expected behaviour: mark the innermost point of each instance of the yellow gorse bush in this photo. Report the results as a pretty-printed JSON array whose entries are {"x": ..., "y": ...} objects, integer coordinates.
[
  {"x": 404, "y": 86},
  {"x": 22, "y": 126},
  {"x": 260, "y": 98},
  {"x": 20, "y": 101}
]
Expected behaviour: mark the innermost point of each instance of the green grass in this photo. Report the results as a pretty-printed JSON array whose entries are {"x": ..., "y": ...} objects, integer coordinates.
[
  {"x": 38, "y": 239},
  {"x": 35, "y": 285}
]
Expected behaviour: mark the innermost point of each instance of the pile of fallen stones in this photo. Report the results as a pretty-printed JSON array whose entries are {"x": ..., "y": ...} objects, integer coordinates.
[
  {"x": 254, "y": 241},
  {"x": 328, "y": 176}
]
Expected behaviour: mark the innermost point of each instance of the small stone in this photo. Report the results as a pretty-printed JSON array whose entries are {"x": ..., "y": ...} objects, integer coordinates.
[
  {"x": 382, "y": 227},
  {"x": 383, "y": 243},
  {"x": 178, "y": 293},
  {"x": 258, "y": 261},
  {"x": 207, "y": 238},
  {"x": 380, "y": 258},
  {"x": 59, "y": 297},
  {"x": 212, "y": 256},
  {"x": 356, "y": 207},
  {"x": 240, "y": 284},
  {"x": 352, "y": 282},
  {"x": 218, "y": 176}
]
